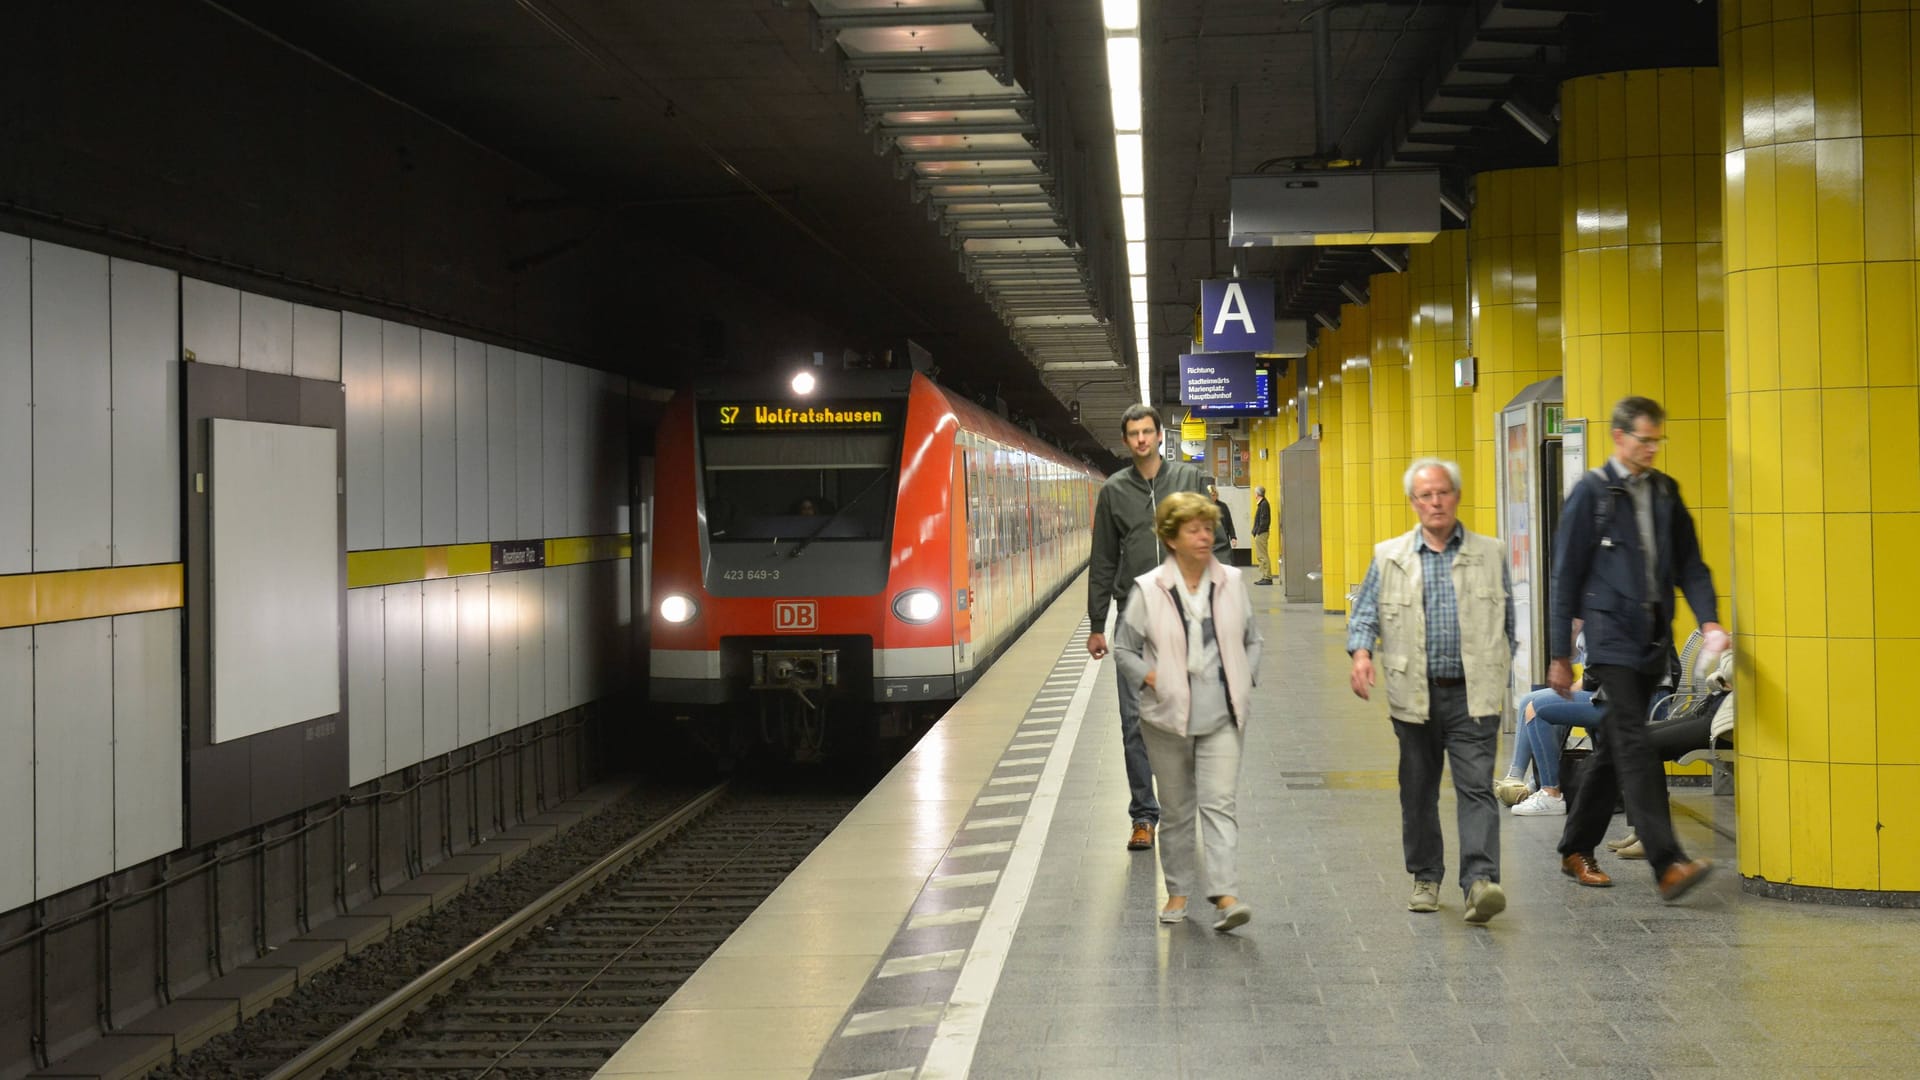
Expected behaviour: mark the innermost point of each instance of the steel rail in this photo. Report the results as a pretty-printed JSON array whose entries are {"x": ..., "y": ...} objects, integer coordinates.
[{"x": 364, "y": 1030}]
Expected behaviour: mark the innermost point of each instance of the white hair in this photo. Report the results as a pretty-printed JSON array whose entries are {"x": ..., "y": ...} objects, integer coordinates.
[{"x": 1452, "y": 468}]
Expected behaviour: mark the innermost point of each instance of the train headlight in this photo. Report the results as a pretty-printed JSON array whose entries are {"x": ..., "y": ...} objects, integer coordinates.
[
  {"x": 677, "y": 609},
  {"x": 917, "y": 606},
  {"x": 803, "y": 383}
]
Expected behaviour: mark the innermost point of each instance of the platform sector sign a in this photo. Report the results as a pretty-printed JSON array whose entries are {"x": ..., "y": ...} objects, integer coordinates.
[
  {"x": 1217, "y": 378},
  {"x": 1236, "y": 315}
]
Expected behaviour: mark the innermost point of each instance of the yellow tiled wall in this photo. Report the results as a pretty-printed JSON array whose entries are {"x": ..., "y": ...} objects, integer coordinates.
[
  {"x": 1642, "y": 281},
  {"x": 1389, "y": 297},
  {"x": 1821, "y": 129},
  {"x": 1356, "y": 439},
  {"x": 1515, "y": 309},
  {"x": 1326, "y": 410},
  {"x": 1441, "y": 417}
]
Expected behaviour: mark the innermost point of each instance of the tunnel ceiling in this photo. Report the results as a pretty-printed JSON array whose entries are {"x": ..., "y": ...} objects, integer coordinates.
[{"x": 737, "y": 128}]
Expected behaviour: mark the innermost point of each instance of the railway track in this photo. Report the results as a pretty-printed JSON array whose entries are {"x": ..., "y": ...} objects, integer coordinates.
[{"x": 559, "y": 986}]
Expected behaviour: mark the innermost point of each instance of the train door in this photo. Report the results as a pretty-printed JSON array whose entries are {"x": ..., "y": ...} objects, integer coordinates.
[{"x": 960, "y": 512}]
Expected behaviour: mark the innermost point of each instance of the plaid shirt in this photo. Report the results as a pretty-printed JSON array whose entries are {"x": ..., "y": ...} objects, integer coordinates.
[{"x": 1442, "y": 608}]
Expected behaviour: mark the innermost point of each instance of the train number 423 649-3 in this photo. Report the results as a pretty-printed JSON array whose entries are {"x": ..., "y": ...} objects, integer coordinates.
[{"x": 750, "y": 575}]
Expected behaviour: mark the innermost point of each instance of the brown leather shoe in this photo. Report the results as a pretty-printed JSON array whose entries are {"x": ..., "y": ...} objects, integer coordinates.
[
  {"x": 1675, "y": 880},
  {"x": 1142, "y": 837},
  {"x": 1581, "y": 868}
]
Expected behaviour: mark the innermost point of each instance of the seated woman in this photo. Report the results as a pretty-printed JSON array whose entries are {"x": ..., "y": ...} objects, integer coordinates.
[
  {"x": 1545, "y": 720},
  {"x": 1188, "y": 639}
]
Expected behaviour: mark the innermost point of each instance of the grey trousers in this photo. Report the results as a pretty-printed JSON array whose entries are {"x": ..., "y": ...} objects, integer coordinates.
[
  {"x": 1198, "y": 778},
  {"x": 1470, "y": 742}
]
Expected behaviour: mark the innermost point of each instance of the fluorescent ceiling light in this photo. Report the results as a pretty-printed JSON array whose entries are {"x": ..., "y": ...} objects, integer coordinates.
[
  {"x": 1133, "y": 217},
  {"x": 1123, "y": 77},
  {"x": 1140, "y": 313},
  {"x": 1133, "y": 169},
  {"x": 1122, "y": 14},
  {"x": 1139, "y": 284},
  {"x": 1137, "y": 259}
]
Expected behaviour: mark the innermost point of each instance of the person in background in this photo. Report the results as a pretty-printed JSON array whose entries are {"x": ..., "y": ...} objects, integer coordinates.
[
  {"x": 1625, "y": 542},
  {"x": 1124, "y": 547},
  {"x": 1226, "y": 516},
  {"x": 1438, "y": 605},
  {"x": 1262, "y": 536},
  {"x": 1187, "y": 642},
  {"x": 1545, "y": 720}
]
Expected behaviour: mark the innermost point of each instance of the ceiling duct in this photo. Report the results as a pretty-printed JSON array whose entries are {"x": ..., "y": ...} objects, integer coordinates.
[{"x": 1333, "y": 207}]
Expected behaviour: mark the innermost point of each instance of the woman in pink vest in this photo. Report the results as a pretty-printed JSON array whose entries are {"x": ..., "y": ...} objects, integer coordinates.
[{"x": 1188, "y": 640}]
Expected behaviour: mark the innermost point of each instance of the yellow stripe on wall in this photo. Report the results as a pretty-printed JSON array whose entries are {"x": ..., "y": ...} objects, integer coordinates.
[
  {"x": 395, "y": 566},
  {"x": 67, "y": 595}
]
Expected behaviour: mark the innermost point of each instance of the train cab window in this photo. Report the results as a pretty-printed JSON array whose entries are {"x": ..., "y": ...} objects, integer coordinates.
[{"x": 786, "y": 486}]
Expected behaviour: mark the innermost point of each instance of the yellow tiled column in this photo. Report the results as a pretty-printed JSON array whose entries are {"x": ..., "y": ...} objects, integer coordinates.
[
  {"x": 1325, "y": 408},
  {"x": 1822, "y": 133},
  {"x": 1642, "y": 283},
  {"x": 1441, "y": 416},
  {"x": 1515, "y": 307},
  {"x": 1388, "y": 298},
  {"x": 1356, "y": 440}
]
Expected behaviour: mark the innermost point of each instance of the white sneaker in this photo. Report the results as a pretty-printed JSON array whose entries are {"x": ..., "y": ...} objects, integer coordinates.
[{"x": 1541, "y": 804}]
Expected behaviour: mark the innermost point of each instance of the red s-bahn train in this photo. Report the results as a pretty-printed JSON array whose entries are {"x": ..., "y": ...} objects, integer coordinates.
[{"x": 854, "y": 543}]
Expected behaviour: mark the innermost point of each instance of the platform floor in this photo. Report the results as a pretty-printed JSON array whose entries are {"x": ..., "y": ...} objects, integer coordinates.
[{"x": 1031, "y": 947}]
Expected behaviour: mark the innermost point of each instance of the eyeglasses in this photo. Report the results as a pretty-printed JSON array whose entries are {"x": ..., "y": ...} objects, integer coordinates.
[
  {"x": 1646, "y": 440},
  {"x": 1432, "y": 496}
]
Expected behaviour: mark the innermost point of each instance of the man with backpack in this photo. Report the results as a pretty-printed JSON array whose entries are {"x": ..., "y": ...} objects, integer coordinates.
[{"x": 1625, "y": 542}]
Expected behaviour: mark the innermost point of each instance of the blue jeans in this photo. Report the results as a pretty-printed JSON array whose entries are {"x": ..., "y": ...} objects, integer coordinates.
[
  {"x": 1539, "y": 739},
  {"x": 1143, "y": 807}
]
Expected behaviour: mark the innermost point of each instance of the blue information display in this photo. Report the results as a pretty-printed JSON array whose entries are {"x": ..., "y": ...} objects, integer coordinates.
[
  {"x": 1236, "y": 315},
  {"x": 1217, "y": 378},
  {"x": 1262, "y": 403}
]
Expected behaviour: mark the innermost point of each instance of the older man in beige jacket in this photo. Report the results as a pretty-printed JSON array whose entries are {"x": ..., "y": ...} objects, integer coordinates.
[{"x": 1438, "y": 606}]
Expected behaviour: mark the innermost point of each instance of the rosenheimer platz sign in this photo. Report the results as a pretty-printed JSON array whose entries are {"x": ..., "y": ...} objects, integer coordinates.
[{"x": 1222, "y": 378}]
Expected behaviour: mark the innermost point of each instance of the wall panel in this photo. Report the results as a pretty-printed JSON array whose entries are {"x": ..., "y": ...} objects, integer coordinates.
[
  {"x": 316, "y": 343},
  {"x": 72, "y": 402},
  {"x": 583, "y": 387},
  {"x": 613, "y": 504},
  {"x": 559, "y": 688},
  {"x": 531, "y": 585},
  {"x": 400, "y": 443},
  {"x": 16, "y": 410},
  {"x": 16, "y": 767},
  {"x": 439, "y": 662},
  {"x": 147, "y": 745},
  {"x": 532, "y": 521},
  {"x": 146, "y": 414},
  {"x": 361, "y": 369},
  {"x": 209, "y": 323},
  {"x": 437, "y": 475},
  {"x": 503, "y": 430},
  {"x": 366, "y": 684},
  {"x": 470, "y": 441},
  {"x": 406, "y": 722},
  {"x": 503, "y": 652},
  {"x": 73, "y": 754},
  {"x": 556, "y": 394},
  {"x": 584, "y": 654},
  {"x": 471, "y": 597},
  {"x": 266, "y": 334}
]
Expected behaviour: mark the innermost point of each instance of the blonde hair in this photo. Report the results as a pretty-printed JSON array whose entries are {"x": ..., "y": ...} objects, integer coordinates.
[{"x": 1179, "y": 508}]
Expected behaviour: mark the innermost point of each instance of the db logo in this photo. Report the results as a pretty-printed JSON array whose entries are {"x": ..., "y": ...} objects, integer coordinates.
[{"x": 796, "y": 617}]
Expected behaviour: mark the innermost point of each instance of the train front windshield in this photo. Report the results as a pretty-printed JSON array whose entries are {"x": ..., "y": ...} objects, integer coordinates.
[{"x": 778, "y": 474}]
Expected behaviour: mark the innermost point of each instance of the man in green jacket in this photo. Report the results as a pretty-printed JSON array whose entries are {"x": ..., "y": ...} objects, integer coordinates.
[{"x": 1124, "y": 547}]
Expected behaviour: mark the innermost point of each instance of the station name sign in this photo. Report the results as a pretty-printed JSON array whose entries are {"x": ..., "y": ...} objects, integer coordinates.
[{"x": 762, "y": 416}]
